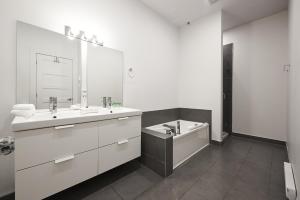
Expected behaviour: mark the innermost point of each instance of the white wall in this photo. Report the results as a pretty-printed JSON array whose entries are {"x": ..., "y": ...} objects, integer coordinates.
[
  {"x": 200, "y": 71},
  {"x": 149, "y": 43},
  {"x": 294, "y": 91},
  {"x": 260, "y": 50}
]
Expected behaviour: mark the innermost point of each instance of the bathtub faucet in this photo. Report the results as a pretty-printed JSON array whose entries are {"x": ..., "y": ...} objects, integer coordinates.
[
  {"x": 172, "y": 128},
  {"x": 178, "y": 127}
]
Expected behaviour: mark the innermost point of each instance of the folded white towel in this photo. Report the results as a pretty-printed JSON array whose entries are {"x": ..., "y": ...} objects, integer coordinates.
[
  {"x": 23, "y": 113},
  {"x": 24, "y": 107}
]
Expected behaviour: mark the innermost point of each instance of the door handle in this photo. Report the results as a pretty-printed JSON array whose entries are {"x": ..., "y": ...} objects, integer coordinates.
[
  {"x": 64, "y": 159},
  {"x": 63, "y": 127},
  {"x": 123, "y": 118},
  {"x": 122, "y": 142}
]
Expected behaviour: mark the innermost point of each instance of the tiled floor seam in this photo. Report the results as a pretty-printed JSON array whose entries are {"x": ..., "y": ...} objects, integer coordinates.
[
  {"x": 196, "y": 181},
  {"x": 237, "y": 174},
  {"x": 235, "y": 179},
  {"x": 182, "y": 194},
  {"x": 269, "y": 184},
  {"x": 115, "y": 191},
  {"x": 145, "y": 191}
]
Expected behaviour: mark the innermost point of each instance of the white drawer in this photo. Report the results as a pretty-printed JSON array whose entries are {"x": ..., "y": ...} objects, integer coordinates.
[
  {"x": 44, "y": 180},
  {"x": 115, "y": 130},
  {"x": 116, "y": 154},
  {"x": 39, "y": 146}
]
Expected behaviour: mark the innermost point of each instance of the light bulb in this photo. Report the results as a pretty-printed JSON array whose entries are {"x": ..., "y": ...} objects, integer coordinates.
[
  {"x": 68, "y": 32},
  {"x": 82, "y": 36}
]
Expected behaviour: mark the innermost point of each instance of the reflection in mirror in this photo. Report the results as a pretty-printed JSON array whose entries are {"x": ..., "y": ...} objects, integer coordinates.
[
  {"x": 104, "y": 74},
  {"x": 47, "y": 65},
  {"x": 51, "y": 65}
]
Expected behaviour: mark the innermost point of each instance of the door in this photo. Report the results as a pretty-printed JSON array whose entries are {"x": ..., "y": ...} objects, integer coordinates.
[
  {"x": 54, "y": 78},
  {"x": 227, "y": 88}
]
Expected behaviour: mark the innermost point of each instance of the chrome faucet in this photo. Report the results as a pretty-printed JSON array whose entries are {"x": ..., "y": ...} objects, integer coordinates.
[
  {"x": 106, "y": 102},
  {"x": 53, "y": 104},
  {"x": 178, "y": 127},
  {"x": 172, "y": 128},
  {"x": 109, "y": 103}
]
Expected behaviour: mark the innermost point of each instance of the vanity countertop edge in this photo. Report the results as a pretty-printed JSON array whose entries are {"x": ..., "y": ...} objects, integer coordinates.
[{"x": 21, "y": 124}]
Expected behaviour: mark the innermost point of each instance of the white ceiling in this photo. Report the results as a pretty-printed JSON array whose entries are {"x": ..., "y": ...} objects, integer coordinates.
[{"x": 236, "y": 12}]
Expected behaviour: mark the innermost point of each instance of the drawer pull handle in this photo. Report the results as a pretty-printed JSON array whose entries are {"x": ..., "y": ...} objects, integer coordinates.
[
  {"x": 123, "y": 142},
  {"x": 123, "y": 118},
  {"x": 63, "y": 127},
  {"x": 64, "y": 159}
]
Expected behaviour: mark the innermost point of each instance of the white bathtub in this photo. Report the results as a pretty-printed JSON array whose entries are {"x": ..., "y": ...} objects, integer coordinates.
[{"x": 193, "y": 138}]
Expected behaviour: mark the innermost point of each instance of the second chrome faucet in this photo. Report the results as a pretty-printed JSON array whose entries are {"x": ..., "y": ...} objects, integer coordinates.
[
  {"x": 106, "y": 102},
  {"x": 53, "y": 104}
]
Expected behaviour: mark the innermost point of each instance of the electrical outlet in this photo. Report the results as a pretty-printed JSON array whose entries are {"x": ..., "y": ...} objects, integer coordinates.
[{"x": 286, "y": 68}]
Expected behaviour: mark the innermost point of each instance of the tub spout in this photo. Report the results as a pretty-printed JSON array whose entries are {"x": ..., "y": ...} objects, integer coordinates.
[
  {"x": 178, "y": 127},
  {"x": 172, "y": 128}
]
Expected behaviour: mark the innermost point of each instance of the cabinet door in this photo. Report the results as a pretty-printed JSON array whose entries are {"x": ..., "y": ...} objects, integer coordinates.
[
  {"x": 117, "y": 154},
  {"x": 117, "y": 130},
  {"x": 41, "y": 181},
  {"x": 39, "y": 146}
]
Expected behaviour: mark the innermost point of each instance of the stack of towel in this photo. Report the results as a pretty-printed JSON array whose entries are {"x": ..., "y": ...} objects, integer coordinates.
[{"x": 23, "y": 110}]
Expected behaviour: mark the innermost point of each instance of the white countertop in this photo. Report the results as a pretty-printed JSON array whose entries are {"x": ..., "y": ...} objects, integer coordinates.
[{"x": 43, "y": 118}]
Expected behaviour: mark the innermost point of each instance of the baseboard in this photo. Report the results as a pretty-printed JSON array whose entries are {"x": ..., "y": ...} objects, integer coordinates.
[
  {"x": 215, "y": 142},
  {"x": 259, "y": 138},
  {"x": 218, "y": 142}
]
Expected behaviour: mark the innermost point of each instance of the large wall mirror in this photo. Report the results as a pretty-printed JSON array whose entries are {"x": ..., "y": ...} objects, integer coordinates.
[{"x": 50, "y": 64}]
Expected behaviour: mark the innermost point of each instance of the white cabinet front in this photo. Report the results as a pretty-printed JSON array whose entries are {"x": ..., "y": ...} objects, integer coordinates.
[
  {"x": 39, "y": 146},
  {"x": 41, "y": 181},
  {"x": 49, "y": 160},
  {"x": 118, "y": 130},
  {"x": 117, "y": 154}
]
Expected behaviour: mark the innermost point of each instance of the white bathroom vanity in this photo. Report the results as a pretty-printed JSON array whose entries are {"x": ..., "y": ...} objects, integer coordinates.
[{"x": 52, "y": 154}]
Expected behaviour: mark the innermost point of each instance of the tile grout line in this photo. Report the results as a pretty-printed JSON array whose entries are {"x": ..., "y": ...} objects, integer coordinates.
[
  {"x": 269, "y": 185},
  {"x": 148, "y": 189},
  {"x": 200, "y": 178},
  {"x": 116, "y": 192},
  {"x": 237, "y": 174},
  {"x": 196, "y": 181},
  {"x": 184, "y": 192},
  {"x": 142, "y": 193}
]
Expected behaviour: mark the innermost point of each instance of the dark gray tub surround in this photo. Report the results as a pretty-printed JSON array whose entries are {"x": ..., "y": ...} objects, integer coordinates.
[
  {"x": 157, "y": 148},
  {"x": 157, "y": 152}
]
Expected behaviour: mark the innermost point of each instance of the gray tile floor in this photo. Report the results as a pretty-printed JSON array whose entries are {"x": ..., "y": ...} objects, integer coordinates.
[{"x": 241, "y": 169}]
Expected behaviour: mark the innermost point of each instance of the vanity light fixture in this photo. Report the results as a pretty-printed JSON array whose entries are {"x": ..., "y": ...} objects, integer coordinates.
[
  {"x": 95, "y": 41},
  {"x": 69, "y": 33},
  {"x": 82, "y": 36}
]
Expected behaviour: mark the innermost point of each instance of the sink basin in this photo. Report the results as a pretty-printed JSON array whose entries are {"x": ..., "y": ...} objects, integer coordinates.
[{"x": 41, "y": 115}]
